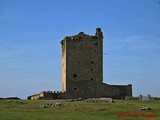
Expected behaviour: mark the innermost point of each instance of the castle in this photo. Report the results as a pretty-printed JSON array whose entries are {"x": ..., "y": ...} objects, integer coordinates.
[{"x": 82, "y": 69}]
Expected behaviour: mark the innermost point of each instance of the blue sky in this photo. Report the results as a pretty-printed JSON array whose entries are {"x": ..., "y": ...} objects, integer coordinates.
[{"x": 31, "y": 31}]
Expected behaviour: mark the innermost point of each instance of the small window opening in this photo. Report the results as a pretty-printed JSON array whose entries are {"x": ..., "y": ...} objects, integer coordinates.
[
  {"x": 75, "y": 88},
  {"x": 91, "y": 78},
  {"x": 91, "y": 69},
  {"x": 74, "y": 75},
  {"x": 92, "y": 62}
]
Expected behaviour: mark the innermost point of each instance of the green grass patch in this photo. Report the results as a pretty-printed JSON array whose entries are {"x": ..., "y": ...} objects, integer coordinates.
[{"x": 78, "y": 110}]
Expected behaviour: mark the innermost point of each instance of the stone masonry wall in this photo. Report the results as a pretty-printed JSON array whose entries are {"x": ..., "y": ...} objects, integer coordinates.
[{"x": 82, "y": 68}]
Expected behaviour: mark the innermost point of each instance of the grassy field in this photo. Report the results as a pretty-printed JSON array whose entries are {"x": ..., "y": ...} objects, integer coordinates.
[{"x": 78, "y": 110}]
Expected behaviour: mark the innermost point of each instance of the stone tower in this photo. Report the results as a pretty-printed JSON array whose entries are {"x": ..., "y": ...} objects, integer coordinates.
[
  {"x": 82, "y": 70},
  {"x": 82, "y": 66}
]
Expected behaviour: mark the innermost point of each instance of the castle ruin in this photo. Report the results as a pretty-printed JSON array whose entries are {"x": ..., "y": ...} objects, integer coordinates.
[{"x": 82, "y": 70}]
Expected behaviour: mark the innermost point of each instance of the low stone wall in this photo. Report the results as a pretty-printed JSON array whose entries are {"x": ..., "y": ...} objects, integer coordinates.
[
  {"x": 96, "y": 89},
  {"x": 47, "y": 95},
  {"x": 87, "y": 90}
]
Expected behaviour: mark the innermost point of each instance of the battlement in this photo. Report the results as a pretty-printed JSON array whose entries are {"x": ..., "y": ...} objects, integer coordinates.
[{"x": 47, "y": 95}]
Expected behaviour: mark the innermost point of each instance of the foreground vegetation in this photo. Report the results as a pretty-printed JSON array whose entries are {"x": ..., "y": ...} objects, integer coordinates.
[{"x": 78, "y": 110}]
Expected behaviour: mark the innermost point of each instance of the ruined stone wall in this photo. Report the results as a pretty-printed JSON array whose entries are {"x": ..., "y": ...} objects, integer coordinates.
[
  {"x": 47, "y": 95},
  {"x": 82, "y": 68},
  {"x": 96, "y": 89},
  {"x": 117, "y": 91}
]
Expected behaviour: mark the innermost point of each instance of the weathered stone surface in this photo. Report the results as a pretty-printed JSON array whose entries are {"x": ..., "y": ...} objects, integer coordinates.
[{"x": 82, "y": 68}]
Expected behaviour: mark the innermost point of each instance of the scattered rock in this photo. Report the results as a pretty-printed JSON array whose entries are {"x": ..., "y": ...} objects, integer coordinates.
[
  {"x": 56, "y": 104},
  {"x": 92, "y": 100},
  {"x": 51, "y": 105},
  {"x": 108, "y": 100},
  {"x": 71, "y": 100},
  {"x": 145, "y": 108},
  {"x": 79, "y": 99},
  {"x": 44, "y": 106}
]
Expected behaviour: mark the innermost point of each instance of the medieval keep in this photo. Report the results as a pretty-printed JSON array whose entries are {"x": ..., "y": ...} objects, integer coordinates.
[{"x": 82, "y": 68}]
